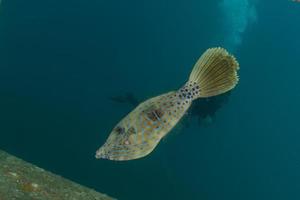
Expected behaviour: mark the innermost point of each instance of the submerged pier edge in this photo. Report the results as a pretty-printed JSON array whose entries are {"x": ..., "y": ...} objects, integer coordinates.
[{"x": 20, "y": 180}]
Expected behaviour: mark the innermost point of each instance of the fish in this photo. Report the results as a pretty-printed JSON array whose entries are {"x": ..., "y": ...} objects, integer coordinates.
[{"x": 141, "y": 130}]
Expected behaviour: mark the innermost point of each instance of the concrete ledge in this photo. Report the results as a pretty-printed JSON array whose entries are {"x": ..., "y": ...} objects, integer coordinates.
[{"x": 20, "y": 180}]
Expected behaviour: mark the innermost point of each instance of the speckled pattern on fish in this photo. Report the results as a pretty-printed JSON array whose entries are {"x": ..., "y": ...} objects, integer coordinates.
[{"x": 137, "y": 134}]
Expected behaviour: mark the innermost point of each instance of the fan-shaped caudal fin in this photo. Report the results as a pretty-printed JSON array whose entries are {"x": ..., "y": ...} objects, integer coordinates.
[{"x": 215, "y": 72}]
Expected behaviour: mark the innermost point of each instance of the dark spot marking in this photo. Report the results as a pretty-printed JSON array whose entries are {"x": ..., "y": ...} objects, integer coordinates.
[
  {"x": 131, "y": 131},
  {"x": 155, "y": 114}
]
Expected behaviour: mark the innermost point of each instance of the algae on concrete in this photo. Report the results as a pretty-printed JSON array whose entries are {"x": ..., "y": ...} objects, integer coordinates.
[{"x": 20, "y": 180}]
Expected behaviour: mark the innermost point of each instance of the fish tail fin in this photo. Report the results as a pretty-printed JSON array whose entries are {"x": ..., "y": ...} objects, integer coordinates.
[{"x": 214, "y": 73}]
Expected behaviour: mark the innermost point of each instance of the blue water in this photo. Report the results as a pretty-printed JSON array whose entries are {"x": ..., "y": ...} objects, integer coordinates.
[{"x": 61, "y": 61}]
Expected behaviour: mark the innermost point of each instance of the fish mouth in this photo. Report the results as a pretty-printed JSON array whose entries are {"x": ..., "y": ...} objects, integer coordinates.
[{"x": 100, "y": 154}]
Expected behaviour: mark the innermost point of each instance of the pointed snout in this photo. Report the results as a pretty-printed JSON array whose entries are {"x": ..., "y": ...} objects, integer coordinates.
[{"x": 100, "y": 154}]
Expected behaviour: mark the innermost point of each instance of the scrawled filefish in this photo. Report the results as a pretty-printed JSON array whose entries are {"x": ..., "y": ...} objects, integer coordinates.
[{"x": 137, "y": 134}]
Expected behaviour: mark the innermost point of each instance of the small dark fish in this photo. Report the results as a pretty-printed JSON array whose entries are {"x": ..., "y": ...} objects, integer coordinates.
[{"x": 127, "y": 98}]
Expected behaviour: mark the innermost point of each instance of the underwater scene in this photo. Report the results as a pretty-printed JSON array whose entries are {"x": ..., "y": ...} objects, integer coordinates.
[{"x": 155, "y": 99}]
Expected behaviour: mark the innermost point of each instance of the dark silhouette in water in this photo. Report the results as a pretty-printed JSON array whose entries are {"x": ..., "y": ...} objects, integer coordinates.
[
  {"x": 128, "y": 98},
  {"x": 204, "y": 109}
]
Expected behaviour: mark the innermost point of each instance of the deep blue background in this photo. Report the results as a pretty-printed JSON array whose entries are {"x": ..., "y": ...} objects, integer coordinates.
[{"x": 60, "y": 61}]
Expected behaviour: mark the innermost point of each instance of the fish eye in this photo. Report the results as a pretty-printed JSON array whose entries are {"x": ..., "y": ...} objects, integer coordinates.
[{"x": 120, "y": 130}]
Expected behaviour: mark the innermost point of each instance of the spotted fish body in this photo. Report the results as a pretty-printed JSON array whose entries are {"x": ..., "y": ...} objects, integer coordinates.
[
  {"x": 142, "y": 129},
  {"x": 138, "y": 133}
]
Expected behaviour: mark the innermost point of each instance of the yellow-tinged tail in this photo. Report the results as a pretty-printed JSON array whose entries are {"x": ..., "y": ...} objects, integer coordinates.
[{"x": 215, "y": 72}]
